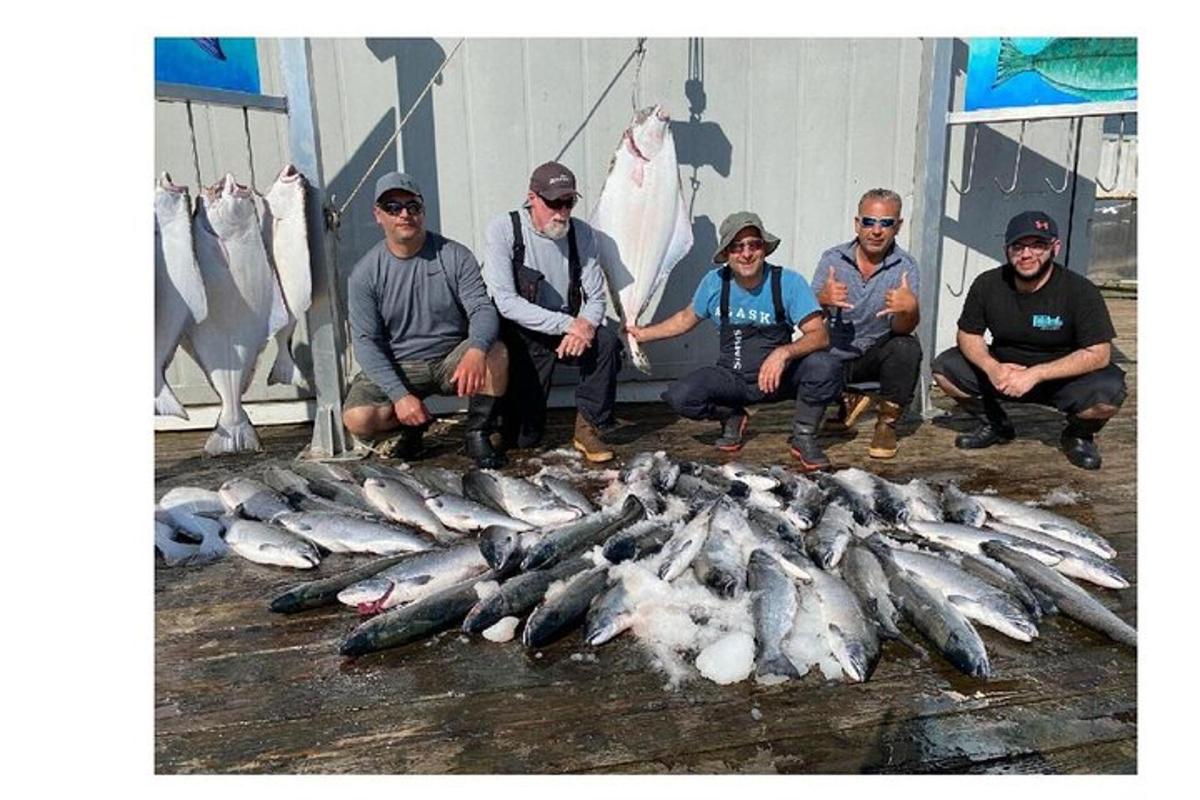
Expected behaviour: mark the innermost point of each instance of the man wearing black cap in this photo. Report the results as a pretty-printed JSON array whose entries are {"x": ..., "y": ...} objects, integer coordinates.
[
  {"x": 1051, "y": 336},
  {"x": 422, "y": 324},
  {"x": 540, "y": 268},
  {"x": 757, "y": 307}
]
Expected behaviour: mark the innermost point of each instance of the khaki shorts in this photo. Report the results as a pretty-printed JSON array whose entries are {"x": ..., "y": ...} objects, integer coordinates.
[{"x": 422, "y": 378}]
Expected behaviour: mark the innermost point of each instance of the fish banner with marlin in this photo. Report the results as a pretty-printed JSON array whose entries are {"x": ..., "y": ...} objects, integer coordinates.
[
  {"x": 212, "y": 62},
  {"x": 1013, "y": 73}
]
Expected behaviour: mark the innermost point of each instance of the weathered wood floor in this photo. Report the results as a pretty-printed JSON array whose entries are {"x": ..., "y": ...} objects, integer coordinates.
[{"x": 241, "y": 690}]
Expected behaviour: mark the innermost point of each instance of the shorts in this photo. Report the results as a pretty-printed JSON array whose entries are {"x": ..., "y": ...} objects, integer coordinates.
[{"x": 422, "y": 378}]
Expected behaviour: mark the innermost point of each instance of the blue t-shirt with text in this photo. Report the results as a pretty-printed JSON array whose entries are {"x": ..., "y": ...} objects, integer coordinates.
[{"x": 755, "y": 307}]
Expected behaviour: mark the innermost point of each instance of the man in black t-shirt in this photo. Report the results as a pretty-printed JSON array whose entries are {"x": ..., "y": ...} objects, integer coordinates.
[{"x": 1050, "y": 345}]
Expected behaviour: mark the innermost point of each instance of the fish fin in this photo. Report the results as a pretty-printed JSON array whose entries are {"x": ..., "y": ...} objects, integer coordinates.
[
  {"x": 167, "y": 404},
  {"x": 1010, "y": 62}
]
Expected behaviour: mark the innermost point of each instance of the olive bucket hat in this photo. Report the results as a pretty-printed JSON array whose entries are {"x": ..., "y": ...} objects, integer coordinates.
[{"x": 734, "y": 223}]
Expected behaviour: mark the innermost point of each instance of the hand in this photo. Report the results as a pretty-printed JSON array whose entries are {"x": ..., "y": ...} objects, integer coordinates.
[
  {"x": 571, "y": 346},
  {"x": 1013, "y": 380},
  {"x": 582, "y": 329},
  {"x": 638, "y": 333},
  {"x": 411, "y": 411},
  {"x": 771, "y": 370},
  {"x": 469, "y": 374},
  {"x": 834, "y": 292},
  {"x": 900, "y": 300}
]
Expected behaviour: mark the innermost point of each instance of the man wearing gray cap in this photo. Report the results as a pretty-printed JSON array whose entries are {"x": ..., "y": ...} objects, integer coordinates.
[
  {"x": 422, "y": 324},
  {"x": 1051, "y": 345},
  {"x": 540, "y": 268},
  {"x": 757, "y": 307}
]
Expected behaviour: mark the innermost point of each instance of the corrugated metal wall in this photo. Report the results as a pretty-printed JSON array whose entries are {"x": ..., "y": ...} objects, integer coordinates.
[{"x": 795, "y": 130}]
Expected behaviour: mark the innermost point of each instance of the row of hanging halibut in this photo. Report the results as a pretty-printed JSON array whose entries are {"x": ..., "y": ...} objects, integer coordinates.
[{"x": 229, "y": 275}]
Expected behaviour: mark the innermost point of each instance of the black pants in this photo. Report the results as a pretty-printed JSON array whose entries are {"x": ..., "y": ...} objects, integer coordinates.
[
  {"x": 531, "y": 360},
  {"x": 895, "y": 362},
  {"x": 1069, "y": 395},
  {"x": 716, "y": 392}
]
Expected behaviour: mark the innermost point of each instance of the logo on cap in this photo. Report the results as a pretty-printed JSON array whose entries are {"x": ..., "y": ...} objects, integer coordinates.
[
  {"x": 1041, "y": 224},
  {"x": 559, "y": 179}
]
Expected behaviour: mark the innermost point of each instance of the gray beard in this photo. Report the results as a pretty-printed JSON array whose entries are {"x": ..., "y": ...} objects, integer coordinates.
[{"x": 555, "y": 229}]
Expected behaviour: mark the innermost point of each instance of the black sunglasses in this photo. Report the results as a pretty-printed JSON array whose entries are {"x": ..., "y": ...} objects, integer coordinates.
[
  {"x": 558, "y": 205},
  {"x": 393, "y": 207},
  {"x": 871, "y": 222}
]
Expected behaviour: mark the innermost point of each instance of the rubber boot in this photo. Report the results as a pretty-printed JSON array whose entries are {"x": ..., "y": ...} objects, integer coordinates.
[
  {"x": 733, "y": 432},
  {"x": 481, "y": 417},
  {"x": 804, "y": 447},
  {"x": 883, "y": 443},
  {"x": 994, "y": 427},
  {"x": 850, "y": 408},
  {"x": 587, "y": 441},
  {"x": 1078, "y": 442}
]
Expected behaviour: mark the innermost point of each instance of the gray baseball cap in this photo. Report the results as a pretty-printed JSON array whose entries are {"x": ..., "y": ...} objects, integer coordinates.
[
  {"x": 734, "y": 223},
  {"x": 396, "y": 180}
]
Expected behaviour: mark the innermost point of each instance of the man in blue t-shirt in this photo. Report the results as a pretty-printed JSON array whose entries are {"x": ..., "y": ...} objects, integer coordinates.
[{"x": 757, "y": 307}]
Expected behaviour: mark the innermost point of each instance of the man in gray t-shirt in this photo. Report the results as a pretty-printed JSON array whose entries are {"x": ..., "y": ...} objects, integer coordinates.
[
  {"x": 540, "y": 268},
  {"x": 422, "y": 324}
]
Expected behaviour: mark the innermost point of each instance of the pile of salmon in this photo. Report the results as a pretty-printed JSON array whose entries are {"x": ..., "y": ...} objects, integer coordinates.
[{"x": 726, "y": 571}]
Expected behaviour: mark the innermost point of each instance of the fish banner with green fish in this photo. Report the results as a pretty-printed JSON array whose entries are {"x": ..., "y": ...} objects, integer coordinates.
[{"x": 1013, "y": 73}]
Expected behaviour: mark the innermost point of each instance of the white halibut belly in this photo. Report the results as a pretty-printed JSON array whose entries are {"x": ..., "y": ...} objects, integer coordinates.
[{"x": 179, "y": 297}]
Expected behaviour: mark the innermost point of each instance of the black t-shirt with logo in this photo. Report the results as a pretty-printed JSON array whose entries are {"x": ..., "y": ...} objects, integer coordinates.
[{"x": 1066, "y": 314}]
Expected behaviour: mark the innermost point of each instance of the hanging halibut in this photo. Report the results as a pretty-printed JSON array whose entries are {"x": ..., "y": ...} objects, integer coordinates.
[
  {"x": 245, "y": 306},
  {"x": 179, "y": 299},
  {"x": 285, "y": 235},
  {"x": 642, "y": 220}
]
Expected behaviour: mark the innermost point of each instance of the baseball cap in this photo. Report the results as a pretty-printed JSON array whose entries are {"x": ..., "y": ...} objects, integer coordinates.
[
  {"x": 552, "y": 181},
  {"x": 396, "y": 180},
  {"x": 1030, "y": 223}
]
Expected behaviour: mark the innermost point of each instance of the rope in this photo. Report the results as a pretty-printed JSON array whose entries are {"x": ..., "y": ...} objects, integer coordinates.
[
  {"x": 249, "y": 148},
  {"x": 195, "y": 152},
  {"x": 337, "y": 214},
  {"x": 603, "y": 95},
  {"x": 635, "y": 96}
]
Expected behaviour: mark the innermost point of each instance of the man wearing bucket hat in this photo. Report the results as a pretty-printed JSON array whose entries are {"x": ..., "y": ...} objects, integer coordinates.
[
  {"x": 539, "y": 264},
  {"x": 757, "y": 307},
  {"x": 1051, "y": 335},
  {"x": 422, "y": 324},
  {"x": 869, "y": 292}
]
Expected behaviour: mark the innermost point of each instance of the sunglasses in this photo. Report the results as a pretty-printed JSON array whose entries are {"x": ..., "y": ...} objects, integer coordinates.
[
  {"x": 558, "y": 205},
  {"x": 753, "y": 245},
  {"x": 871, "y": 222},
  {"x": 393, "y": 207}
]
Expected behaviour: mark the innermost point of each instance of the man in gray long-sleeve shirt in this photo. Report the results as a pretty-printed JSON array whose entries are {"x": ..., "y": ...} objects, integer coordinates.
[
  {"x": 540, "y": 268},
  {"x": 422, "y": 324}
]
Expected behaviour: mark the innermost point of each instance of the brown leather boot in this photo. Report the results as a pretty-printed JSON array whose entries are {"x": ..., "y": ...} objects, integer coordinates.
[
  {"x": 850, "y": 408},
  {"x": 587, "y": 441},
  {"x": 883, "y": 443}
]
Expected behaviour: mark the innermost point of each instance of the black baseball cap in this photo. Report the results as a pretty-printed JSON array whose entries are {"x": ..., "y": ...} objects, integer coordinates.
[
  {"x": 1030, "y": 223},
  {"x": 552, "y": 181}
]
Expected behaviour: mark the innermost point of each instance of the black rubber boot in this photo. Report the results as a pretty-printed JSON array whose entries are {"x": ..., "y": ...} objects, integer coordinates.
[
  {"x": 733, "y": 432},
  {"x": 803, "y": 443},
  {"x": 481, "y": 417},
  {"x": 994, "y": 427},
  {"x": 1078, "y": 442}
]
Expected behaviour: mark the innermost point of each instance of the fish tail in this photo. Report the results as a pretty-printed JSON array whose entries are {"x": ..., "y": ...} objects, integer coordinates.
[
  {"x": 284, "y": 370},
  {"x": 167, "y": 404},
  {"x": 240, "y": 437},
  {"x": 639, "y": 356},
  {"x": 778, "y": 664},
  {"x": 1010, "y": 62}
]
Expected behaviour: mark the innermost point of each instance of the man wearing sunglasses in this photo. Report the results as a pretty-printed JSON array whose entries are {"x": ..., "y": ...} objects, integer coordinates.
[
  {"x": 757, "y": 307},
  {"x": 1051, "y": 345},
  {"x": 869, "y": 293},
  {"x": 540, "y": 268},
  {"x": 422, "y": 324}
]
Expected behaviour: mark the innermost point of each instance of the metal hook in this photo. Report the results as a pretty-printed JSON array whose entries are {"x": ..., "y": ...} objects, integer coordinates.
[
  {"x": 962, "y": 279},
  {"x": 1117, "y": 158},
  {"x": 635, "y": 95},
  {"x": 1012, "y": 187},
  {"x": 1067, "y": 171},
  {"x": 970, "y": 167}
]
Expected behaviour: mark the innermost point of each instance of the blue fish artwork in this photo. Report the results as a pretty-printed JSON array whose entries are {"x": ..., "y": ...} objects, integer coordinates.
[
  {"x": 214, "y": 63},
  {"x": 1013, "y": 73}
]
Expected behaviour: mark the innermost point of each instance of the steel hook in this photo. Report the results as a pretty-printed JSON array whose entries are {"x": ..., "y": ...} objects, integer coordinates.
[
  {"x": 1012, "y": 187},
  {"x": 970, "y": 166},
  {"x": 1117, "y": 158},
  {"x": 1067, "y": 172},
  {"x": 962, "y": 279}
]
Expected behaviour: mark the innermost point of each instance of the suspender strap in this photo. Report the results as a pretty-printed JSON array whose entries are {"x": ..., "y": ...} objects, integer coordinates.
[
  {"x": 725, "y": 276},
  {"x": 518, "y": 250},
  {"x": 777, "y": 295},
  {"x": 575, "y": 283}
]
